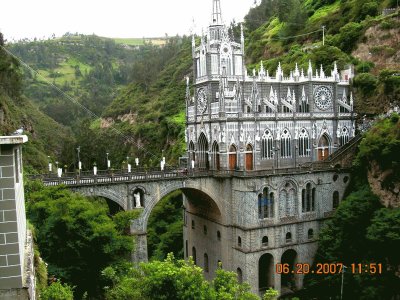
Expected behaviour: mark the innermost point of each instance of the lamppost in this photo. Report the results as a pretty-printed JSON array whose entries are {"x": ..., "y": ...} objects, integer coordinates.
[
  {"x": 108, "y": 162},
  {"x": 79, "y": 160},
  {"x": 129, "y": 167},
  {"x": 50, "y": 165}
]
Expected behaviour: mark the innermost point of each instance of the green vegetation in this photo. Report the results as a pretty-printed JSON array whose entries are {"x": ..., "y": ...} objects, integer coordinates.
[
  {"x": 172, "y": 280},
  {"x": 57, "y": 291},
  {"x": 75, "y": 236},
  {"x": 362, "y": 230},
  {"x": 46, "y": 137},
  {"x": 165, "y": 228}
]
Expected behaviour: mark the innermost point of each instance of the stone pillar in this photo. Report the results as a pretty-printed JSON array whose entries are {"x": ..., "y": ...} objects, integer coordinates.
[
  {"x": 15, "y": 266},
  {"x": 140, "y": 251}
]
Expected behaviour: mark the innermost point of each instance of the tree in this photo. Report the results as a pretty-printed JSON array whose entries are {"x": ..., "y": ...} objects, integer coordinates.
[
  {"x": 57, "y": 291},
  {"x": 172, "y": 279},
  {"x": 75, "y": 236}
]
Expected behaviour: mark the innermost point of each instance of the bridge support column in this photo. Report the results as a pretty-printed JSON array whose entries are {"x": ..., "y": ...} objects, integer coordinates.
[{"x": 139, "y": 253}]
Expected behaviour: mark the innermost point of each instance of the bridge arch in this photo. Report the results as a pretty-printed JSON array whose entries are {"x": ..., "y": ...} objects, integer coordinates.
[
  {"x": 211, "y": 199},
  {"x": 107, "y": 193}
]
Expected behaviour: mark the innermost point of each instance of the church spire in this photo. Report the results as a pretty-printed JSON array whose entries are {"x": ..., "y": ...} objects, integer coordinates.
[{"x": 216, "y": 15}]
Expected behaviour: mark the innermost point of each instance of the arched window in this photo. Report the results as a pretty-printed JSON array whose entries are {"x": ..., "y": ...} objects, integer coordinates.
[
  {"x": 239, "y": 275},
  {"x": 232, "y": 157},
  {"x": 310, "y": 234},
  {"x": 187, "y": 248},
  {"x": 206, "y": 263},
  {"x": 239, "y": 241},
  {"x": 205, "y": 229},
  {"x": 194, "y": 255},
  {"x": 203, "y": 152},
  {"x": 308, "y": 198},
  {"x": 193, "y": 225},
  {"x": 324, "y": 146},
  {"x": 218, "y": 235},
  {"x": 265, "y": 241},
  {"x": 335, "y": 202},
  {"x": 249, "y": 157},
  {"x": 344, "y": 136},
  {"x": 288, "y": 237},
  {"x": 286, "y": 144},
  {"x": 266, "y": 204},
  {"x": 304, "y": 143},
  {"x": 215, "y": 156},
  {"x": 267, "y": 151}
]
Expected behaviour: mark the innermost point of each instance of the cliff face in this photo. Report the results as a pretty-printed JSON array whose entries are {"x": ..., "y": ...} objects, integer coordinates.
[{"x": 389, "y": 194}]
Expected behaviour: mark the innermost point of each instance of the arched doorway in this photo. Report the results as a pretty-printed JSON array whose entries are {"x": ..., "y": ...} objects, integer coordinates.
[
  {"x": 323, "y": 147},
  {"x": 203, "y": 152},
  {"x": 232, "y": 157},
  {"x": 215, "y": 156},
  {"x": 288, "y": 282},
  {"x": 265, "y": 272},
  {"x": 249, "y": 157}
]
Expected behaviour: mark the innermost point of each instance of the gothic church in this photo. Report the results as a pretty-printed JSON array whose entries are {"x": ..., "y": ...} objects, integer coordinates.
[{"x": 260, "y": 123}]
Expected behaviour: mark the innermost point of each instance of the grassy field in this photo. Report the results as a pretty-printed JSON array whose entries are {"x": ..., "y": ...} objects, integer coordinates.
[{"x": 139, "y": 41}]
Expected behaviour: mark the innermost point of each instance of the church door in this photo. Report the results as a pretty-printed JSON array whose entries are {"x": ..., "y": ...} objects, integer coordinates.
[
  {"x": 323, "y": 148},
  {"x": 249, "y": 158},
  {"x": 232, "y": 157}
]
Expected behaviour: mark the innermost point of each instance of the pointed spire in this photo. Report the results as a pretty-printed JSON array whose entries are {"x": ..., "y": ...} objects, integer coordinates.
[
  {"x": 289, "y": 95},
  {"x": 193, "y": 42},
  {"x": 303, "y": 95},
  {"x": 271, "y": 95},
  {"x": 322, "y": 73},
  {"x": 351, "y": 100},
  {"x": 187, "y": 89},
  {"x": 268, "y": 75},
  {"x": 293, "y": 97},
  {"x": 216, "y": 14},
  {"x": 291, "y": 75},
  {"x": 279, "y": 73},
  {"x": 310, "y": 70},
  {"x": 261, "y": 72},
  {"x": 316, "y": 73},
  {"x": 296, "y": 71},
  {"x": 302, "y": 74}
]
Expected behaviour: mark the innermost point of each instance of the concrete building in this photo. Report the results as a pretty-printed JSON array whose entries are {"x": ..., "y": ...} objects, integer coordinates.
[{"x": 17, "y": 280}]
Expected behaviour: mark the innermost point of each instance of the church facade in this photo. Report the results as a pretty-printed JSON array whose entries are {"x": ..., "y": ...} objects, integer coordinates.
[
  {"x": 260, "y": 121},
  {"x": 237, "y": 121}
]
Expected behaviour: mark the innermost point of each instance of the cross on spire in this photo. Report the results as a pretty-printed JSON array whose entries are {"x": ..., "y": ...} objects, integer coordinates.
[{"x": 216, "y": 15}]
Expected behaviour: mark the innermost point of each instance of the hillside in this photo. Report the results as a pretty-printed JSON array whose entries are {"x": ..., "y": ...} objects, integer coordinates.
[
  {"x": 47, "y": 138},
  {"x": 356, "y": 33},
  {"x": 90, "y": 69}
]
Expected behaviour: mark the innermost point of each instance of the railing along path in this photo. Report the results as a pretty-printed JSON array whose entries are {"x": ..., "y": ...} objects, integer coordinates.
[{"x": 122, "y": 176}]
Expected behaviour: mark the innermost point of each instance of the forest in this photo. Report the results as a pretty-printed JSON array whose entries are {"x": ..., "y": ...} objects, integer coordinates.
[{"x": 136, "y": 99}]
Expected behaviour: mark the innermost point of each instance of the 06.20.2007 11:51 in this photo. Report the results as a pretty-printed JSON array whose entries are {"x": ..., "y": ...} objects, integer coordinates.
[{"x": 328, "y": 268}]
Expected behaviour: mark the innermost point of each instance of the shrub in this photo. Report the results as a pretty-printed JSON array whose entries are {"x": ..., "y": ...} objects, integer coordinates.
[
  {"x": 349, "y": 35},
  {"x": 366, "y": 83}
]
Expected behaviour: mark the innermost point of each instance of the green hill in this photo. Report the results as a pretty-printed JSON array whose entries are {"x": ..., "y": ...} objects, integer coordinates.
[{"x": 47, "y": 137}]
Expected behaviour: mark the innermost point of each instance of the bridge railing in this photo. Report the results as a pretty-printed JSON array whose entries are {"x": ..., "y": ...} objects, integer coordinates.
[{"x": 116, "y": 176}]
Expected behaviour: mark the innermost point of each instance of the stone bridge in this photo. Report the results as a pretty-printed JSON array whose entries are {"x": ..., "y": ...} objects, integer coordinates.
[{"x": 226, "y": 206}]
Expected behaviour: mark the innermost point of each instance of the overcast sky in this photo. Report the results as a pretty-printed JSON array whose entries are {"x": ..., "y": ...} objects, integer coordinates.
[{"x": 112, "y": 18}]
